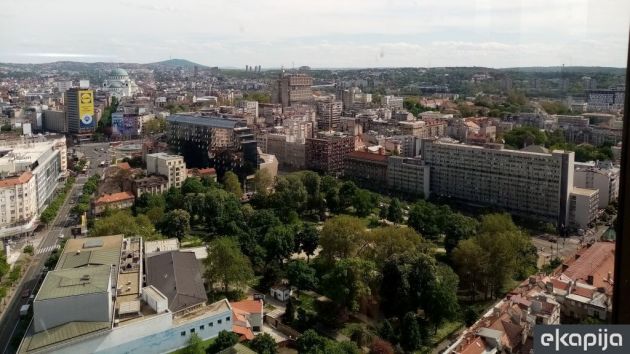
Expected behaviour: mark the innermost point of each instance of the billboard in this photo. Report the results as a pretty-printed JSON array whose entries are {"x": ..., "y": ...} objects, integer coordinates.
[{"x": 86, "y": 109}]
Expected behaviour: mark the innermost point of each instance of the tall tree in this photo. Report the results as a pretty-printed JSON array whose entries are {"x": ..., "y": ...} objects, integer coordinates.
[
  {"x": 444, "y": 305},
  {"x": 231, "y": 184},
  {"x": 307, "y": 240},
  {"x": 341, "y": 237},
  {"x": 192, "y": 185},
  {"x": 195, "y": 345},
  {"x": 279, "y": 243},
  {"x": 350, "y": 281},
  {"x": 263, "y": 181},
  {"x": 301, "y": 275},
  {"x": 458, "y": 227},
  {"x": 394, "y": 211},
  {"x": 410, "y": 335},
  {"x": 176, "y": 223},
  {"x": 227, "y": 265},
  {"x": 264, "y": 344},
  {"x": 346, "y": 194},
  {"x": 363, "y": 202}
]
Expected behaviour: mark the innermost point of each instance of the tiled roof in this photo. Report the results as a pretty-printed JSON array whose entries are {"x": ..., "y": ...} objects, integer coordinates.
[
  {"x": 10, "y": 182},
  {"x": 249, "y": 306},
  {"x": 243, "y": 332},
  {"x": 597, "y": 261},
  {"x": 124, "y": 165},
  {"x": 115, "y": 197}
]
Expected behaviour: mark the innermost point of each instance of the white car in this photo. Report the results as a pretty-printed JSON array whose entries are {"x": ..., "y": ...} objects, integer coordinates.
[{"x": 60, "y": 236}]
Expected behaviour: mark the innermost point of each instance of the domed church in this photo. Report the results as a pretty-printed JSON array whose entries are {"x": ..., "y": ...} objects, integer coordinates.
[{"x": 119, "y": 84}]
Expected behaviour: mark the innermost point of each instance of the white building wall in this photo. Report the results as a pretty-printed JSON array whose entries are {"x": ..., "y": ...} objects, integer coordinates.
[{"x": 54, "y": 312}]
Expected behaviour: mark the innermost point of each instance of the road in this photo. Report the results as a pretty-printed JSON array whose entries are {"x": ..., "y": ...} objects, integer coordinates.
[{"x": 10, "y": 319}]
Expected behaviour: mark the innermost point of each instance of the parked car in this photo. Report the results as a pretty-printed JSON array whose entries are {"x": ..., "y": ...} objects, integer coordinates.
[{"x": 26, "y": 293}]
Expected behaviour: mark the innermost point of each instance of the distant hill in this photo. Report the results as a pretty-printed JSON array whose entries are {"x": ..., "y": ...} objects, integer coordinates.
[
  {"x": 177, "y": 62},
  {"x": 569, "y": 69}
]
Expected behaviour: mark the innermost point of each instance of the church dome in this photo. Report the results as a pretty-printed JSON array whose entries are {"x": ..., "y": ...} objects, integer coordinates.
[{"x": 119, "y": 72}]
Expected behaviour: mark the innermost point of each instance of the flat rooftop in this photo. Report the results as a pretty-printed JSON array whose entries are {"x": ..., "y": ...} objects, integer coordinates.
[
  {"x": 75, "y": 282},
  {"x": 213, "y": 122}
]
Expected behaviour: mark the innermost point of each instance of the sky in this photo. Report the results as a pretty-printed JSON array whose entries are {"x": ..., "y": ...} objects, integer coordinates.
[{"x": 321, "y": 33}]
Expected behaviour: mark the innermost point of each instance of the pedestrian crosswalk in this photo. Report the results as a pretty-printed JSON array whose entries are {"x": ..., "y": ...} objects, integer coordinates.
[{"x": 46, "y": 249}]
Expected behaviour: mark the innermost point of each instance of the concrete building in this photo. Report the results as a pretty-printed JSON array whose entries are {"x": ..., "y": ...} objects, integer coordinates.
[
  {"x": 408, "y": 175},
  {"x": 583, "y": 207},
  {"x": 605, "y": 100},
  {"x": 367, "y": 167},
  {"x": 535, "y": 185},
  {"x": 95, "y": 302},
  {"x": 223, "y": 143},
  {"x": 601, "y": 176},
  {"x": 121, "y": 200},
  {"x": 328, "y": 114},
  {"x": 80, "y": 114},
  {"x": 54, "y": 121},
  {"x": 151, "y": 184},
  {"x": 392, "y": 102},
  {"x": 170, "y": 166},
  {"x": 249, "y": 107},
  {"x": 29, "y": 174},
  {"x": 292, "y": 89},
  {"x": 327, "y": 152}
]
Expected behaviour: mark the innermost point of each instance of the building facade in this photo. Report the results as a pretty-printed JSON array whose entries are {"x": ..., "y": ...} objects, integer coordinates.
[
  {"x": 79, "y": 107},
  {"x": 292, "y": 89},
  {"x": 367, "y": 167},
  {"x": 408, "y": 175},
  {"x": 172, "y": 167},
  {"x": 535, "y": 185},
  {"x": 601, "y": 176},
  {"x": 327, "y": 152},
  {"x": 223, "y": 143},
  {"x": 119, "y": 84}
]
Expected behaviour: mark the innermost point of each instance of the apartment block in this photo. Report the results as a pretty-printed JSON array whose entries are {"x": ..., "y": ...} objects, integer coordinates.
[
  {"x": 582, "y": 206},
  {"x": 531, "y": 184},
  {"x": 329, "y": 114},
  {"x": 408, "y": 175},
  {"x": 29, "y": 174},
  {"x": 54, "y": 121},
  {"x": 367, "y": 167},
  {"x": 327, "y": 152},
  {"x": 601, "y": 176},
  {"x": 224, "y": 143},
  {"x": 292, "y": 89},
  {"x": 170, "y": 166}
]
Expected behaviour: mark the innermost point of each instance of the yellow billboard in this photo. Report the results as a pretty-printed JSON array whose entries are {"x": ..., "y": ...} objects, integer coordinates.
[{"x": 86, "y": 108}]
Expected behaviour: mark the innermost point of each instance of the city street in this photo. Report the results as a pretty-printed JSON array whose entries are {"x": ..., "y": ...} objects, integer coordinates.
[{"x": 49, "y": 238}]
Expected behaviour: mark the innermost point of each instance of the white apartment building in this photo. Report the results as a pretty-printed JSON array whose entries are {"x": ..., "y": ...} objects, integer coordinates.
[
  {"x": 535, "y": 185},
  {"x": 601, "y": 176},
  {"x": 249, "y": 107},
  {"x": 29, "y": 174},
  {"x": 392, "y": 102},
  {"x": 172, "y": 167},
  {"x": 408, "y": 175},
  {"x": 583, "y": 206}
]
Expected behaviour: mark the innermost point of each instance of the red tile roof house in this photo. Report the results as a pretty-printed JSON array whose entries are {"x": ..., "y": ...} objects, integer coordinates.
[
  {"x": 248, "y": 318},
  {"x": 120, "y": 200}
]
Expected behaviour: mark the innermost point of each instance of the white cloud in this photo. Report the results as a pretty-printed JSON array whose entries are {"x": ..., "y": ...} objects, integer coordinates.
[{"x": 324, "y": 32}]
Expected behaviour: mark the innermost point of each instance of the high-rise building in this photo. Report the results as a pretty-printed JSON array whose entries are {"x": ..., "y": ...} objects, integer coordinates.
[
  {"x": 329, "y": 114},
  {"x": 293, "y": 88},
  {"x": 601, "y": 176},
  {"x": 327, "y": 152},
  {"x": 79, "y": 105},
  {"x": 536, "y": 185}
]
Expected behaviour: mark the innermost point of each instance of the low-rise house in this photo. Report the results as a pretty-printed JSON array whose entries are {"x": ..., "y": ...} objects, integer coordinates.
[
  {"x": 152, "y": 184},
  {"x": 248, "y": 318},
  {"x": 119, "y": 200},
  {"x": 281, "y": 292}
]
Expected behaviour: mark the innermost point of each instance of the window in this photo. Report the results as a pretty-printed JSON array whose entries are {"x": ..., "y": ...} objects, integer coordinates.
[
  {"x": 192, "y": 330},
  {"x": 202, "y": 327},
  {"x": 183, "y": 333},
  {"x": 227, "y": 319},
  {"x": 211, "y": 324},
  {"x": 219, "y": 321}
]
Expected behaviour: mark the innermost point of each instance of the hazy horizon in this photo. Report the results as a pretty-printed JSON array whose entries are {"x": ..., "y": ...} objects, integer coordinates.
[{"x": 323, "y": 34}]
